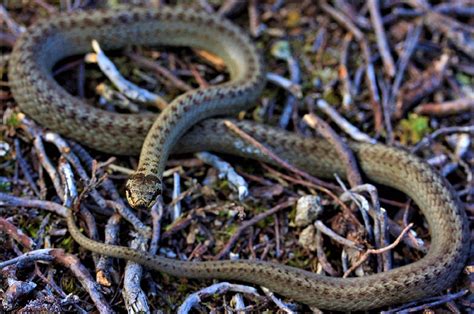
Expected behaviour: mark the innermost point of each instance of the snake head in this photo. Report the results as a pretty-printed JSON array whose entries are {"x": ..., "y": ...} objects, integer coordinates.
[{"x": 142, "y": 190}]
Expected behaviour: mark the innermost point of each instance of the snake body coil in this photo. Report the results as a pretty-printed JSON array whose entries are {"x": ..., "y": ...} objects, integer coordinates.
[{"x": 42, "y": 98}]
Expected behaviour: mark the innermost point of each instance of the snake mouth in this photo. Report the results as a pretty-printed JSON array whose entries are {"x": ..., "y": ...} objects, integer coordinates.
[{"x": 142, "y": 202}]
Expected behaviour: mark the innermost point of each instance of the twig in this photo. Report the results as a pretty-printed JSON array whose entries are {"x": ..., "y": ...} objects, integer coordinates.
[
  {"x": 448, "y": 130},
  {"x": 193, "y": 299},
  {"x": 13, "y": 26},
  {"x": 133, "y": 295},
  {"x": 371, "y": 79},
  {"x": 10, "y": 200},
  {"x": 352, "y": 170},
  {"x": 322, "y": 259},
  {"x": 48, "y": 165},
  {"x": 156, "y": 215},
  {"x": 227, "y": 171},
  {"x": 447, "y": 108},
  {"x": 25, "y": 168},
  {"x": 254, "y": 20},
  {"x": 176, "y": 212},
  {"x": 131, "y": 90},
  {"x": 409, "y": 46},
  {"x": 282, "y": 306},
  {"x": 381, "y": 37},
  {"x": 73, "y": 263},
  {"x": 295, "y": 78},
  {"x": 231, "y": 7},
  {"x": 104, "y": 266},
  {"x": 342, "y": 19},
  {"x": 272, "y": 155},
  {"x": 68, "y": 181},
  {"x": 29, "y": 257},
  {"x": 115, "y": 98},
  {"x": 161, "y": 71},
  {"x": 437, "y": 301},
  {"x": 66, "y": 152},
  {"x": 366, "y": 255},
  {"x": 336, "y": 199},
  {"x": 327, "y": 231},
  {"x": 458, "y": 33},
  {"x": 250, "y": 223},
  {"x": 285, "y": 83},
  {"x": 345, "y": 125},
  {"x": 421, "y": 86},
  {"x": 129, "y": 216},
  {"x": 347, "y": 89}
]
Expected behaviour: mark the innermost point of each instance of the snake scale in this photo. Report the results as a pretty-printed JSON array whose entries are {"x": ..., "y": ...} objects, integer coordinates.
[{"x": 42, "y": 98}]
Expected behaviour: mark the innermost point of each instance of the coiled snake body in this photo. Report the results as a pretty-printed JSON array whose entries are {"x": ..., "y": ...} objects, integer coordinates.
[{"x": 38, "y": 95}]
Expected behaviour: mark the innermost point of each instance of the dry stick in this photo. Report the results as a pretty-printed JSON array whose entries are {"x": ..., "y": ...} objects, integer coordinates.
[
  {"x": 422, "y": 85},
  {"x": 133, "y": 295},
  {"x": 344, "y": 207},
  {"x": 447, "y": 108},
  {"x": 10, "y": 200},
  {"x": 372, "y": 83},
  {"x": 204, "y": 4},
  {"x": 459, "y": 34},
  {"x": 327, "y": 231},
  {"x": 341, "y": 18},
  {"x": 13, "y": 26},
  {"x": 366, "y": 255},
  {"x": 87, "y": 159},
  {"x": 381, "y": 37},
  {"x": 322, "y": 259},
  {"x": 432, "y": 302},
  {"x": 409, "y": 47},
  {"x": 176, "y": 207},
  {"x": 130, "y": 216},
  {"x": 67, "y": 298},
  {"x": 285, "y": 308},
  {"x": 347, "y": 89},
  {"x": 68, "y": 260},
  {"x": 226, "y": 171},
  {"x": 128, "y": 88},
  {"x": 345, "y": 21},
  {"x": 254, "y": 21},
  {"x": 342, "y": 123},
  {"x": 66, "y": 152},
  {"x": 219, "y": 288},
  {"x": 161, "y": 71},
  {"x": 448, "y": 130},
  {"x": 250, "y": 223},
  {"x": 16, "y": 234},
  {"x": 48, "y": 165},
  {"x": 286, "y": 84},
  {"x": 291, "y": 101},
  {"x": 31, "y": 256},
  {"x": 231, "y": 7},
  {"x": 352, "y": 170},
  {"x": 25, "y": 168},
  {"x": 156, "y": 215},
  {"x": 73, "y": 263},
  {"x": 272, "y": 155},
  {"x": 111, "y": 236}
]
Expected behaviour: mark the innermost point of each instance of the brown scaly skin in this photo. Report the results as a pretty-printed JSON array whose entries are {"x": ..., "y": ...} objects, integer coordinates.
[{"x": 42, "y": 98}]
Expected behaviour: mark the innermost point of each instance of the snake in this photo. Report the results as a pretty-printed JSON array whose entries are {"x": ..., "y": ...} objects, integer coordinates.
[{"x": 189, "y": 124}]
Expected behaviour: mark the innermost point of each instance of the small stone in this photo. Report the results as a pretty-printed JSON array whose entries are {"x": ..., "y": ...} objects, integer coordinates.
[
  {"x": 308, "y": 209},
  {"x": 4, "y": 148},
  {"x": 307, "y": 238}
]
